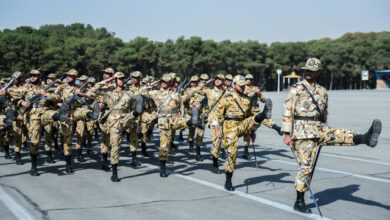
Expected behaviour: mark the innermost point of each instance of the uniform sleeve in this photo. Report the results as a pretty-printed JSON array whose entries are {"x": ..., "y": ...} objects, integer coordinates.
[
  {"x": 288, "y": 111},
  {"x": 219, "y": 112}
]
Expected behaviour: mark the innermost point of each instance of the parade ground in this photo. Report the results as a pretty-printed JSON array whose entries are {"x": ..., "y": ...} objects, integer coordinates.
[{"x": 349, "y": 182}]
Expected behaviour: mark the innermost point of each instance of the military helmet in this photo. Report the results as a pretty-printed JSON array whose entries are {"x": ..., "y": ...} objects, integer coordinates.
[
  {"x": 239, "y": 80},
  {"x": 136, "y": 74},
  {"x": 194, "y": 79},
  {"x": 109, "y": 70},
  {"x": 312, "y": 64},
  {"x": 204, "y": 76},
  {"x": 220, "y": 76},
  {"x": 4, "y": 80},
  {"x": 17, "y": 74},
  {"x": 119, "y": 75},
  {"x": 229, "y": 77},
  {"x": 72, "y": 72},
  {"x": 249, "y": 76},
  {"x": 52, "y": 76},
  {"x": 83, "y": 78},
  {"x": 35, "y": 72},
  {"x": 178, "y": 79},
  {"x": 166, "y": 78},
  {"x": 92, "y": 80}
]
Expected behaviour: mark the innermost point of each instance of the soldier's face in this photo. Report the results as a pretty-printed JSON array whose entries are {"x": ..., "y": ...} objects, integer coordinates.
[
  {"x": 48, "y": 81},
  {"x": 90, "y": 85},
  {"x": 120, "y": 82},
  {"x": 81, "y": 83},
  {"x": 164, "y": 84},
  {"x": 249, "y": 81},
  {"x": 227, "y": 82},
  {"x": 34, "y": 78},
  {"x": 106, "y": 75},
  {"x": 70, "y": 79},
  {"x": 311, "y": 75},
  {"x": 239, "y": 89},
  {"x": 194, "y": 84},
  {"x": 136, "y": 80},
  {"x": 218, "y": 82}
]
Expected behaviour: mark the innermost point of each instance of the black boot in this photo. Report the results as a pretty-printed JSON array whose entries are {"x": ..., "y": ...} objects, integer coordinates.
[
  {"x": 80, "y": 156},
  {"x": 33, "y": 171},
  {"x": 49, "y": 158},
  {"x": 68, "y": 167},
  {"x": 56, "y": 116},
  {"x": 215, "y": 166},
  {"x": 135, "y": 162},
  {"x": 105, "y": 162},
  {"x": 246, "y": 153},
  {"x": 299, "y": 204},
  {"x": 278, "y": 129},
  {"x": 223, "y": 154},
  {"x": 55, "y": 144},
  {"x": 18, "y": 158},
  {"x": 25, "y": 146},
  {"x": 198, "y": 157},
  {"x": 163, "y": 169},
  {"x": 266, "y": 113},
  {"x": 371, "y": 136},
  {"x": 89, "y": 149},
  {"x": 6, "y": 151},
  {"x": 144, "y": 153},
  {"x": 191, "y": 146},
  {"x": 114, "y": 177},
  {"x": 173, "y": 149},
  {"x": 181, "y": 136},
  {"x": 9, "y": 117},
  {"x": 228, "y": 183}
]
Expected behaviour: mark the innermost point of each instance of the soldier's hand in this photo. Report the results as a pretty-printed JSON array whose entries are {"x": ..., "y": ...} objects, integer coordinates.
[
  {"x": 43, "y": 92},
  {"x": 258, "y": 91},
  {"x": 287, "y": 140},
  {"x": 101, "y": 105},
  {"x": 2, "y": 92},
  {"x": 25, "y": 104}
]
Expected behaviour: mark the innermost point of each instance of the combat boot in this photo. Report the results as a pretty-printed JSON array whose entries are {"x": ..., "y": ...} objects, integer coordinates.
[
  {"x": 105, "y": 162},
  {"x": 278, "y": 129},
  {"x": 299, "y": 204},
  {"x": 114, "y": 177},
  {"x": 56, "y": 116},
  {"x": 163, "y": 169},
  {"x": 80, "y": 156},
  {"x": 9, "y": 117},
  {"x": 135, "y": 162},
  {"x": 95, "y": 111},
  {"x": 49, "y": 158},
  {"x": 33, "y": 171},
  {"x": 228, "y": 183},
  {"x": 63, "y": 111},
  {"x": 143, "y": 147},
  {"x": 215, "y": 168},
  {"x": 89, "y": 149},
  {"x": 6, "y": 152},
  {"x": 18, "y": 158},
  {"x": 181, "y": 136},
  {"x": 25, "y": 146},
  {"x": 266, "y": 113},
  {"x": 371, "y": 136},
  {"x": 173, "y": 149},
  {"x": 191, "y": 146},
  {"x": 198, "y": 157},
  {"x": 246, "y": 153},
  {"x": 68, "y": 167}
]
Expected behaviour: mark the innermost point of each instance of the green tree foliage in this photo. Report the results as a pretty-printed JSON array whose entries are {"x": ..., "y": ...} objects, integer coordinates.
[{"x": 57, "y": 48}]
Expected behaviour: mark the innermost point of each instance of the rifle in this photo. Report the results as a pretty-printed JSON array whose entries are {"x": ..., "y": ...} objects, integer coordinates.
[
  {"x": 36, "y": 98},
  {"x": 170, "y": 93},
  {"x": 255, "y": 96},
  {"x": 76, "y": 97},
  {"x": 8, "y": 84}
]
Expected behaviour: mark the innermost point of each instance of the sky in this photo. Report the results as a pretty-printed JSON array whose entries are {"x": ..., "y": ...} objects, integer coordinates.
[{"x": 264, "y": 21}]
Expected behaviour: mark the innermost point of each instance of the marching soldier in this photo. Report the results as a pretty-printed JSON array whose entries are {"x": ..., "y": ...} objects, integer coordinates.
[
  {"x": 90, "y": 125},
  {"x": 81, "y": 124},
  {"x": 250, "y": 90},
  {"x": 305, "y": 128},
  {"x": 120, "y": 102},
  {"x": 236, "y": 117},
  {"x": 228, "y": 82},
  {"x": 187, "y": 97},
  {"x": 71, "y": 112}
]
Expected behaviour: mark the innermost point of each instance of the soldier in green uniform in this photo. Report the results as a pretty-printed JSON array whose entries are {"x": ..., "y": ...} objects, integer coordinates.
[{"x": 305, "y": 128}]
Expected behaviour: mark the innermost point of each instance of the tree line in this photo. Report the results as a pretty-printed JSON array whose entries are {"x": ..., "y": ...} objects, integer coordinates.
[{"x": 58, "y": 48}]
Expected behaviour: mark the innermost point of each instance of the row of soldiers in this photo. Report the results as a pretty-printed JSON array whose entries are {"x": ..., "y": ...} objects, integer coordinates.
[{"x": 227, "y": 105}]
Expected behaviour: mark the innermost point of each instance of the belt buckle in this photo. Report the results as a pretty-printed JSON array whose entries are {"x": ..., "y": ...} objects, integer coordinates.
[{"x": 316, "y": 118}]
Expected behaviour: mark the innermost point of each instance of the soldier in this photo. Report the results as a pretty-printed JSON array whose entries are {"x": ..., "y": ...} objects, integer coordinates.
[
  {"x": 120, "y": 102},
  {"x": 236, "y": 117},
  {"x": 38, "y": 114},
  {"x": 305, "y": 128},
  {"x": 250, "y": 90},
  {"x": 90, "y": 125},
  {"x": 6, "y": 121},
  {"x": 169, "y": 104},
  {"x": 72, "y": 112},
  {"x": 228, "y": 82},
  {"x": 194, "y": 81},
  {"x": 81, "y": 124}
]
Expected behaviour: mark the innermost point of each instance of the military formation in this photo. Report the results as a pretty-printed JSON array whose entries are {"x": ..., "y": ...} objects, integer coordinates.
[{"x": 131, "y": 106}]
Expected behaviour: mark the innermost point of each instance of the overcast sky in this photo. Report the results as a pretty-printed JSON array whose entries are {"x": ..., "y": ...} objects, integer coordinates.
[{"x": 265, "y": 21}]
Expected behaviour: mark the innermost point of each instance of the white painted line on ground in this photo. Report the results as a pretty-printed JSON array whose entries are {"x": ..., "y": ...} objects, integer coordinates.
[
  {"x": 332, "y": 171},
  {"x": 334, "y": 155},
  {"x": 17, "y": 210},
  {"x": 244, "y": 195}
]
